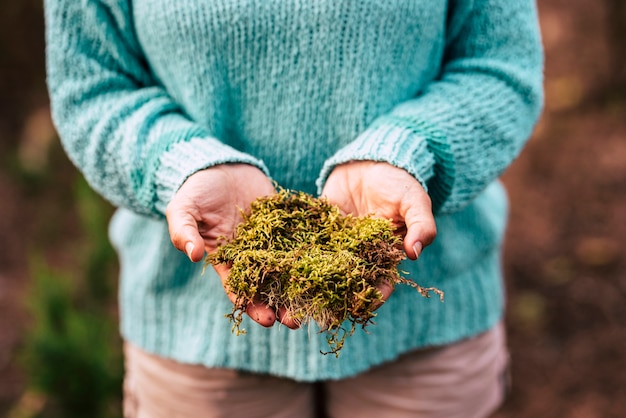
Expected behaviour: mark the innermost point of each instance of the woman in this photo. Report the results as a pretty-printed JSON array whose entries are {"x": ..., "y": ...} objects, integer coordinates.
[{"x": 181, "y": 111}]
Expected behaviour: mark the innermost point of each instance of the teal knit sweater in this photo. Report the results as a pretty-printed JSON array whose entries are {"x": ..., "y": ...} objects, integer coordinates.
[{"x": 145, "y": 93}]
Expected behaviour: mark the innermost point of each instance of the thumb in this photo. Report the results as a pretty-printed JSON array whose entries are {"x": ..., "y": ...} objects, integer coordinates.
[
  {"x": 420, "y": 225},
  {"x": 183, "y": 229}
]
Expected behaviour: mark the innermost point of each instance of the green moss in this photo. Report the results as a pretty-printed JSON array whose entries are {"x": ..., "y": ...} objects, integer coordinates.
[{"x": 299, "y": 252}]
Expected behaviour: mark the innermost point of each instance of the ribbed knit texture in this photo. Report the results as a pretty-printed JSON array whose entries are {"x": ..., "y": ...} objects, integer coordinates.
[{"x": 145, "y": 93}]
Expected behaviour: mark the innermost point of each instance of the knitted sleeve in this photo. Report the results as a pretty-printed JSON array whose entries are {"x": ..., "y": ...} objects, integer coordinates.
[
  {"x": 132, "y": 142},
  {"x": 467, "y": 126}
]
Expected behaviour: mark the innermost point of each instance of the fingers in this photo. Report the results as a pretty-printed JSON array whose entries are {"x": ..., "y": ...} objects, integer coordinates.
[
  {"x": 266, "y": 316},
  {"x": 258, "y": 312},
  {"x": 286, "y": 319},
  {"x": 386, "y": 289},
  {"x": 261, "y": 314},
  {"x": 183, "y": 229},
  {"x": 421, "y": 229}
]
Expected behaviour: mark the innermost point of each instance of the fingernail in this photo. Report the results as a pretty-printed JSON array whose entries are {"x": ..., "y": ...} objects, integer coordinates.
[
  {"x": 417, "y": 247},
  {"x": 189, "y": 249}
]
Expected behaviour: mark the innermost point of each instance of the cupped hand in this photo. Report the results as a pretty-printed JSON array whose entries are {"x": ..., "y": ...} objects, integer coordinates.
[
  {"x": 208, "y": 207},
  {"x": 380, "y": 189}
]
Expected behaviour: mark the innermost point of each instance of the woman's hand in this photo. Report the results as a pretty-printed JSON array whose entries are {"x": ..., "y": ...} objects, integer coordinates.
[
  {"x": 207, "y": 207},
  {"x": 380, "y": 189}
]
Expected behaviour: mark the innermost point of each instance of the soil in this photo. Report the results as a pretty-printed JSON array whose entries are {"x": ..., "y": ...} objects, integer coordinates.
[{"x": 565, "y": 258}]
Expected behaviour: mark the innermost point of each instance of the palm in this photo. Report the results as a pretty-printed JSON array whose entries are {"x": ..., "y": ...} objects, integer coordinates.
[
  {"x": 371, "y": 188},
  {"x": 207, "y": 208}
]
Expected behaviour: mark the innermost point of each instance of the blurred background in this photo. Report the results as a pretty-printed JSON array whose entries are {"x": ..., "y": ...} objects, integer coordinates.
[{"x": 565, "y": 251}]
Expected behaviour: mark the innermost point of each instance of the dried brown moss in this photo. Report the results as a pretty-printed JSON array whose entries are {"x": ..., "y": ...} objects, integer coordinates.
[{"x": 299, "y": 252}]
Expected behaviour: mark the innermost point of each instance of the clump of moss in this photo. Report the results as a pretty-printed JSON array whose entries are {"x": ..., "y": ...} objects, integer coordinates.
[{"x": 299, "y": 252}]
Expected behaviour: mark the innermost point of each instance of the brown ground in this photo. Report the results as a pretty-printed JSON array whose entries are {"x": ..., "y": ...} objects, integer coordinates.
[{"x": 565, "y": 254}]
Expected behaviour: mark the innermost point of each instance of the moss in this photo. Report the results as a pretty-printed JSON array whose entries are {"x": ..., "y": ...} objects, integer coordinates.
[{"x": 299, "y": 252}]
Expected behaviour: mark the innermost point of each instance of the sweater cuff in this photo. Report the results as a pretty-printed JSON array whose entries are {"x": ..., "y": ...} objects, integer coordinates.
[
  {"x": 388, "y": 140},
  {"x": 185, "y": 158}
]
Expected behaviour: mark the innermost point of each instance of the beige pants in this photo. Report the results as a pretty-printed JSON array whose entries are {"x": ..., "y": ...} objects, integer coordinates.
[{"x": 465, "y": 380}]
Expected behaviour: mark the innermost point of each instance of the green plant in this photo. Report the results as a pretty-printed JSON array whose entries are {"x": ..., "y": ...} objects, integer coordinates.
[
  {"x": 72, "y": 350},
  {"x": 299, "y": 252},
  {"x": 68, "y": 354}
]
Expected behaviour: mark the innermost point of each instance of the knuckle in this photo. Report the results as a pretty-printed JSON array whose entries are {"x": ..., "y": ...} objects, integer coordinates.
[
  {"x": 431, "y": 234},
  {"x": 176, "y": 240}
]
